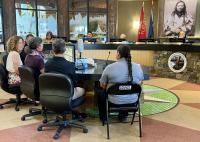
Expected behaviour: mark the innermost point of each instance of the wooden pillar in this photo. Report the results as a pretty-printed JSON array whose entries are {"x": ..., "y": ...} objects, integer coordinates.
[
  {"x": 9, "y": 18},
  {"x": 63, "y": 29},
  {"x": 112, "y": 18}
]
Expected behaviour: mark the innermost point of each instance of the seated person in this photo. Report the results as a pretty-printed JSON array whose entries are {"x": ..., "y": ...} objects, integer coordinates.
[
  {"x": 34, "y": 59},
  {"x": 90, "y": 38},
  {"x": 123, "y": 37},
  {"x": 89, "y": 35},
  {"x": 119, "y": 72},
  {"x": 49, "y": 37},
  {"x": 14, "y": 46},
  {"x": 24, "y": 51},
  {"x": 58, "y": 64}
]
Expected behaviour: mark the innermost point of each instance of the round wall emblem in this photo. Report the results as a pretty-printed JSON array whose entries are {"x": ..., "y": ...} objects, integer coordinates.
[{"x": 177, "y": 62}]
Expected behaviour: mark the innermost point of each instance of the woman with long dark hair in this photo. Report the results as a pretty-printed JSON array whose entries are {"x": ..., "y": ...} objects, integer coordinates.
[
  {"x": 119, "y": 72},
  {"x": 179, "y": 21},
  {"x": 49, "y": 37}
]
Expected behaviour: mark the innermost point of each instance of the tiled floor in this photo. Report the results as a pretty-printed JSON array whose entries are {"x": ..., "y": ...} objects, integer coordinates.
[{"x": 180, "y": 124}]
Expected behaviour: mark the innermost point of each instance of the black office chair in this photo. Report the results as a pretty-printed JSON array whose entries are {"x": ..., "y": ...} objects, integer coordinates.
[
  {"x": 12, "y": 89},
  {"x": 30, "y": 88},
  {"x": 124, "y": 89},
  {"x": 4, "y": 59},
  {"x": 56, "y": 92}
]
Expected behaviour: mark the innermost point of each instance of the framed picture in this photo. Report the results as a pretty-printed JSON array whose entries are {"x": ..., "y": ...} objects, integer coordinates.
[{"x": 179, "y": 18}]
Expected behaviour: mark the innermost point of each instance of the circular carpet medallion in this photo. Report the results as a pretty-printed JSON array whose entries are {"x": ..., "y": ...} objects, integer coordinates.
[{"x": 156, "y": 100}]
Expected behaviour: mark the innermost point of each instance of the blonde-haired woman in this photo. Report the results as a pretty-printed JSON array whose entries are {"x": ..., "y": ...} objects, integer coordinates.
[{"x": 14, "y": 46}]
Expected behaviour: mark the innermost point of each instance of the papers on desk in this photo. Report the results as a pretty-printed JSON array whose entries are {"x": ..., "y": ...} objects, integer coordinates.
[{"x": 84, "y": 63}]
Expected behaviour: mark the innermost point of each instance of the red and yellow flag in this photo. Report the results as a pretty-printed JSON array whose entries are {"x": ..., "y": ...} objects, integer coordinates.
[{"x": 142, "y": 29}]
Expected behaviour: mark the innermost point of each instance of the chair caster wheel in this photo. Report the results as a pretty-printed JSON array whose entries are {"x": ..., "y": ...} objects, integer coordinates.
[
  {"x": 85, "y": 130},
  {"x": 44, "y": 121},
  {"x": 56, "y": 136},
  {"x": 23, "y": 118},
  {"x": 39, "y": 128},
  {"x": 17, "y": 109},
  {"x": 1, "y": 107}
]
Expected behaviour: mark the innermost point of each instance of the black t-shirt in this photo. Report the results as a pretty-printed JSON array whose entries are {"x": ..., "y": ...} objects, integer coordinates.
[
  {"x": 62, "y": 66},
  {"x": 23, "y": 54}
]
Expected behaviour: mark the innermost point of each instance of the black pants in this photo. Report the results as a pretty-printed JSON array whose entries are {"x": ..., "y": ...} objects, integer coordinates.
[{"x": 101, "y": 95}]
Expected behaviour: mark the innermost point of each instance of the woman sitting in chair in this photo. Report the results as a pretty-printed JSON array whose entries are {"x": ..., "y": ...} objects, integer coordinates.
[
  {"x": 119, "y": 72},
  {"x": 49, "y": 37},
  {"x": 14, "y": 46},
  {"x": 35, "y": 59}
]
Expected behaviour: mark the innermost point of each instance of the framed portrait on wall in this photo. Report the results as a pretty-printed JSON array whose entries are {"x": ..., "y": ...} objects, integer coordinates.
[{"x": 179, "y": 18}]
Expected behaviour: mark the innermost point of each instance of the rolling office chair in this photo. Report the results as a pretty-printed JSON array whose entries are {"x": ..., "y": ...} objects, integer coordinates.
[
  {"x": 12, "y": 89},
  {"x": 5, "y": 59},
  {"x": 56, "y": 92},
  {"x": 124, "y": 89},
  {"x": 30, "y": 88}
]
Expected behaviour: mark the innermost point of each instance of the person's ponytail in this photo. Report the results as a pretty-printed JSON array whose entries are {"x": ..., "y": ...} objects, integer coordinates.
[
  {"x": 128, "y": 60},
  {"x": 124, "y": 51}
]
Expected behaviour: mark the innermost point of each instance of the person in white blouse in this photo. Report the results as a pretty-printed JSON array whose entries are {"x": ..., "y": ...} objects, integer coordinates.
[
  {"x": 179, "y": 21},
  {"x": 14, "y": 46}
]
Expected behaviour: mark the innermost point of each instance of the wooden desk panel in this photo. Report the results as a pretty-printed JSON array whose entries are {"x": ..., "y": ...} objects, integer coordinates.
[{"x": 141, "y": 57}]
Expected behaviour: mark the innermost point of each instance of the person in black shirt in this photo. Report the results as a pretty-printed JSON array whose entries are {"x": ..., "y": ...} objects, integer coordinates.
[
  {"x": 58, "y": 64},
  {"x": 23, "y": 53}
]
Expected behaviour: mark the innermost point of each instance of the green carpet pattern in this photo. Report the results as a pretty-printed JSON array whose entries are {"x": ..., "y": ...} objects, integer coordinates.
[{"x": 167, "y": 101}]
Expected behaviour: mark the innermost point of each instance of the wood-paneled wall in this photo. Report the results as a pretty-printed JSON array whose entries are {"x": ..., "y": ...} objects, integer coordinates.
[{"x": 141, "y": 57}]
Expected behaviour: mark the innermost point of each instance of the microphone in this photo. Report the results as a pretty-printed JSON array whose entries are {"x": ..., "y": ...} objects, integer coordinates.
[{"x": 107, "y": 59}]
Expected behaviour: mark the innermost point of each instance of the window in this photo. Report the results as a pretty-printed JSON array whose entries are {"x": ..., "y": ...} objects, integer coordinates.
[
  {"x": 88, "y": 15},
  {"x": 36, "y": 17},
  {"x": 78, "y": 24},
  {"x": 47, "y": 17}
]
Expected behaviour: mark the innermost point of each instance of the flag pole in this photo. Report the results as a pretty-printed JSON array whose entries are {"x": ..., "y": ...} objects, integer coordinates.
[
  {"x": 152, "y": 9},
  {"x": 151, "y": 26}
]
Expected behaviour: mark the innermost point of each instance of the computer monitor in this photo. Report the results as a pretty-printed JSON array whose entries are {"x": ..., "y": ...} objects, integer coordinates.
[
  {"x": 47, "y": 46},
  {"x": 89, "y": 39},
  {"x": 147, "y": 40},
  {"x": 69, "y": 54},
  {"x": 73, "y": 41},
  {"x": 117, "y": 40}
]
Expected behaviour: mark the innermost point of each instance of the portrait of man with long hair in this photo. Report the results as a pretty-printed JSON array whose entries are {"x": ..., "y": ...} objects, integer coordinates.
[{"x": 180, "y": 19}]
